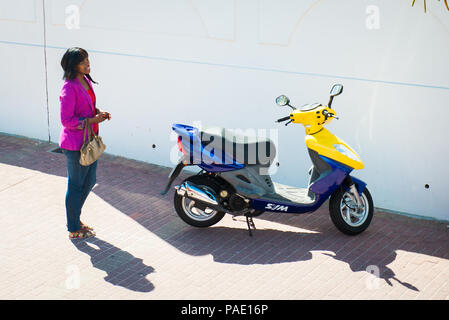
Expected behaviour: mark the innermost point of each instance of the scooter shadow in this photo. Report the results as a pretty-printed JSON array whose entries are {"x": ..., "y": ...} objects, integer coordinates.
[
  {"x": 271, "y": 246},
  {"x": 122, "y": 268}
]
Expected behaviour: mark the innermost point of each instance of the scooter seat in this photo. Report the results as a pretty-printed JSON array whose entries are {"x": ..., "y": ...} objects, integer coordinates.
[{"x": 244, "y": 148}]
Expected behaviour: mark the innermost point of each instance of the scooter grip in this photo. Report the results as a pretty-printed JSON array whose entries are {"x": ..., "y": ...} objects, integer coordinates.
[{"x": 283, "y": 119}]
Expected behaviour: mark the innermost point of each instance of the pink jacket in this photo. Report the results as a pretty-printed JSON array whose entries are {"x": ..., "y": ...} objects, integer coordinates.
[{"x": 76, "y": 105}]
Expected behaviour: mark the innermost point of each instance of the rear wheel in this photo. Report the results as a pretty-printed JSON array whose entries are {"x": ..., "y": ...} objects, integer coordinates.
[
  {"x": 195, "y": 213},
  {"x": 345, "y": 215}
]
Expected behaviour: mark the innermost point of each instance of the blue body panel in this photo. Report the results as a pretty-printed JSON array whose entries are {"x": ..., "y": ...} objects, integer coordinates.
[{"x": 190, "y": 139}]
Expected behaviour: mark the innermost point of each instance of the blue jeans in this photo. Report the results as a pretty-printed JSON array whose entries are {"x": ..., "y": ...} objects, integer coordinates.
[{"x": 81, "y": 180}]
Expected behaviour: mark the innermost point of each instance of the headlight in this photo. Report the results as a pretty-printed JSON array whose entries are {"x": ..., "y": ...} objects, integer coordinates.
[{"x": 344, "y": 150}]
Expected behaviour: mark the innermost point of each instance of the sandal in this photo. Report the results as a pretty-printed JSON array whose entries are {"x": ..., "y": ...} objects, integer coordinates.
[
  {"x": 81, "y": 234},
  {"x": 86, "y": 227}
]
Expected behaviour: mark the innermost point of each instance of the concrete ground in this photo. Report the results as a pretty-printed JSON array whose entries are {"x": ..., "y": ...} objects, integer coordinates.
[{"x": 144, "y": 251}]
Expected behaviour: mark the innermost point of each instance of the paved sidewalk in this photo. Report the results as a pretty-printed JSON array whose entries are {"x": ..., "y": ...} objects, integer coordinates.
[{"x": 144, "y": 251}]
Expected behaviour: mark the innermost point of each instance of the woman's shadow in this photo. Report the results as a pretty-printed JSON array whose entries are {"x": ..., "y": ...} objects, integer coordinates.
[{"x": 122, "y": 268}]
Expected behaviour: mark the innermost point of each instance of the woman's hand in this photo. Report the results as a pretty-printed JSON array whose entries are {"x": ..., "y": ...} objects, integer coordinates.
[
  {"x": 99, "y": 117},
  {"x": 107, "y": 115}
]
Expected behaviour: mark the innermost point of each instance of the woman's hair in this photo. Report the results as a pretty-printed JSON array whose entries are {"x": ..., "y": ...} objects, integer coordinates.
[{"x": 71, "y": 59}]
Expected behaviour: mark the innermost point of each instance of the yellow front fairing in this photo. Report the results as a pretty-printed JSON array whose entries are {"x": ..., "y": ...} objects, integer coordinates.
[{"x": 330, "y": 146}]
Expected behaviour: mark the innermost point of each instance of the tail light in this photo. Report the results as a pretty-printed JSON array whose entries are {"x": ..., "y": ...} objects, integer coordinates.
[{"x": 180, "y": 146}]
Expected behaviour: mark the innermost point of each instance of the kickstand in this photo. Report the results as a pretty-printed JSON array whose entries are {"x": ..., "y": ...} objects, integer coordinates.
[{"x": 251, "y": 225}]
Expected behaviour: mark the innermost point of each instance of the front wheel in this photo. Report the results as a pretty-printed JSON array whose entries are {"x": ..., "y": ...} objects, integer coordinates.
[{"x": 344, "y": 213}]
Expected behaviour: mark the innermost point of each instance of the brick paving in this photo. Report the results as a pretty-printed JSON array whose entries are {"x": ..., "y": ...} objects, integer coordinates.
[{"x": 144, "y": 251}]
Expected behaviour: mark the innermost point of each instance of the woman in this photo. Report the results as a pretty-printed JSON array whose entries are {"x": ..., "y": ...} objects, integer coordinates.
[{"x": 78, "y": 107}]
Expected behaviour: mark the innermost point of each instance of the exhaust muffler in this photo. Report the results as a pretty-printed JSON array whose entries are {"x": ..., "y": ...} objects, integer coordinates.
[{"x": 192, "y": 191}]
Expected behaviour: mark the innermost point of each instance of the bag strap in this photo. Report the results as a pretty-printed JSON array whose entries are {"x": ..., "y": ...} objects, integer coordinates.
[
  {"x": 92, "y": 132},
  {"x": 87, "y": 131}
]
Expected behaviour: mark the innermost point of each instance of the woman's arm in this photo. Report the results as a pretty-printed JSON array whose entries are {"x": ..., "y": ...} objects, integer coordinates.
[{"x": 68, "y": 101}]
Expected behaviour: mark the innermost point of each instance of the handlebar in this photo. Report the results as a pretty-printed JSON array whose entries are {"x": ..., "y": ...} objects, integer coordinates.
[
  {"x": 325, "y": 113},
  {"x": 283, "y": 119}
]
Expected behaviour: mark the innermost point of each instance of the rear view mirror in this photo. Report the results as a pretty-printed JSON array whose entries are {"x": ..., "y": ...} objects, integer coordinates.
[
  {"x": 282, "y": 100},
  {"x": 336, "y": 90}
]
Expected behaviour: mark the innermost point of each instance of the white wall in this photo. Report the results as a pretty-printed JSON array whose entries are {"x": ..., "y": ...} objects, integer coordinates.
[
  {"x": 23, "y": 105},
  {"x": 224, "y": 62}
]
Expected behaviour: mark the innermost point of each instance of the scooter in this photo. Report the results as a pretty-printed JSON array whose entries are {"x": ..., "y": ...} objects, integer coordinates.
[{"x": 234, "y": 178}]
